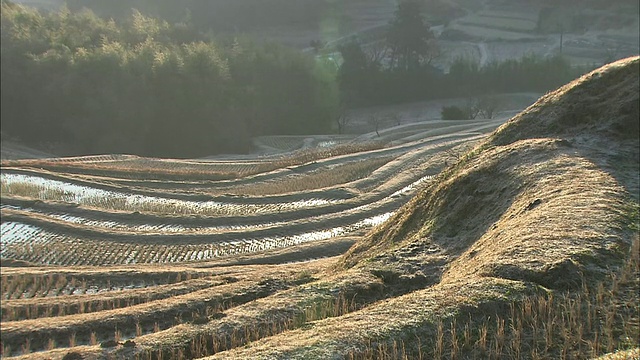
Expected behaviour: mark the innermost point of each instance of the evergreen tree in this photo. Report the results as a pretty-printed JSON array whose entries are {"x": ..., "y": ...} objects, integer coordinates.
[{"x": 411, "y": 41}]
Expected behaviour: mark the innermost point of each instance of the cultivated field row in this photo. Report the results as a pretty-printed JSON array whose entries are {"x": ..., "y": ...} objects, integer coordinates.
[
  {"x": 46, "y": 186},
  {"x": 118, "y": 173},
  {"x": 89, "y": 319},
  {"x": 60, "y": 218},
  {"x": 168, "y": 261},
  {"x": 33, "y": 244}
]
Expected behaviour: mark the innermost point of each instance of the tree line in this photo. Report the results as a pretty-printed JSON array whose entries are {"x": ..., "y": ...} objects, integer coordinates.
[
  {"x": 400, "y": 68},
  {"x": 217, "y": 15},
  {"x": 146, "y": 86}
]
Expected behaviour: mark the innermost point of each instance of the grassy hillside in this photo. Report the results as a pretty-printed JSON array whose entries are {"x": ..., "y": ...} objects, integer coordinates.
[
  {"x": 546, "y": 208},
  {"x": 576, "y": 146}
]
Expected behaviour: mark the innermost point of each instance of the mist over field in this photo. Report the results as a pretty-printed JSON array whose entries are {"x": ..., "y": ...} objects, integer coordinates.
[{"x": 316, "y": 179}]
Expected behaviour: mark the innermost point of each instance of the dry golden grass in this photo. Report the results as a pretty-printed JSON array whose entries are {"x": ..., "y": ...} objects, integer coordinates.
[
  {"x": 534, "y": 225},
  {"x": 241, "y": 323},
  {"x": 475, "y": 318},
  {"x": 632, "y": 354},
  {"x": 407, "y": 314},
  {"x": 277, "y": 314},
  {"x": 336, "y": 175},
  {"x": 248, "y": 283},
  {"x": 584, "y": 324},
  {"x": 188, "y": 170},
  {"x": 527, "y": 166}
]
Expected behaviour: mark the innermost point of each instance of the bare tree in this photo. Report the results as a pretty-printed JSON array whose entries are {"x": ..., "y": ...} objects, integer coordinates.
[
  {"x": 484, "y": 106},
  {"x": 342, "y": 120},
  {"x": 487, "y": 106},
  {"x": 453, "y": 155},
  {"x": 472, "y": 109},
  {"x": 435, "y": 51},
  {"x": 396, "y": 119},
  {"x": 375, "y": 120}
]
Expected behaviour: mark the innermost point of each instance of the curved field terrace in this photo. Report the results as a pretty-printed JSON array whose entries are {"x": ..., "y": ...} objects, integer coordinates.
[
  {"x": 55, "y": 215},
  {"x": 93, "y": 251}
]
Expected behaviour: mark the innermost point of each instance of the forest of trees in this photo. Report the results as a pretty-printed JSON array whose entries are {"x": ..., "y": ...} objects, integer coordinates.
[
  {"x": 216, "y": 15},
  {"x": 144, "y": 86}
]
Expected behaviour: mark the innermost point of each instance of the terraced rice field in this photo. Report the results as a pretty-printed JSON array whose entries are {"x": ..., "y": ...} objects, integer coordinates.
[
  {"x": 500, "y": 22},
  {"x": 495, "y": 31},
  {"x": 92, "y": 250}
]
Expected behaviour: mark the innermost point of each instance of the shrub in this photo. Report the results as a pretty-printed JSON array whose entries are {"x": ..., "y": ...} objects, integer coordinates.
[{"x": 454, "y": 113}]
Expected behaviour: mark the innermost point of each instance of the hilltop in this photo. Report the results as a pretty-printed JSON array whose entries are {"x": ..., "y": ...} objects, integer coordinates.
[{"x": 568, "y": 161}]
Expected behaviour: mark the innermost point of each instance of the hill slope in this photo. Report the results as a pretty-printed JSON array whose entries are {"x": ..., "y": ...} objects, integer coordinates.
[
  {"x": 546, "y": 204},
  {"x": 550, "y": 184}
]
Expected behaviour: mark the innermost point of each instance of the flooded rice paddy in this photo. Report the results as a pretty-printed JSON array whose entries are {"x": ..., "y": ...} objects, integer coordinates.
[
  {"x": 48, "y": 189},
  {"x": 34, "y": 244}
]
